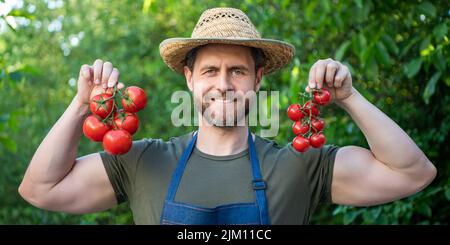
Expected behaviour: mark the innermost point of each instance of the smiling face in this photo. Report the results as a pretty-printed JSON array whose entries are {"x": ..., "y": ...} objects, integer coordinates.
[{"x": 221, "y": 77}]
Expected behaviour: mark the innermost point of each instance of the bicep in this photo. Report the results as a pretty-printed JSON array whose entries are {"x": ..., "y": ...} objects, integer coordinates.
[
  {"x": 85, "y": 189},
  {"x": 359, "y": 179}
]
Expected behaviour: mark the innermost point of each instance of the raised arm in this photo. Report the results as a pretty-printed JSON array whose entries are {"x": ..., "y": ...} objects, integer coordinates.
[
  {"x": 55, "y": 180},
  {"x": 394, "y": 167}
]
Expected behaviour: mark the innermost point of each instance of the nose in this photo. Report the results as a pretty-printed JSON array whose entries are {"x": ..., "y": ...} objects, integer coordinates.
[{"x": 224, "y": 84}]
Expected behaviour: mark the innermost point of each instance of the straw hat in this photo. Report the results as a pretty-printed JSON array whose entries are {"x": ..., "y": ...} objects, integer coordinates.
[{"x": 225, "y": 26}]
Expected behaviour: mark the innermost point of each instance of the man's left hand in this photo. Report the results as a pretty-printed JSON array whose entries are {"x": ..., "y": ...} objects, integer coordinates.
[{"x": 333, "y": 76}]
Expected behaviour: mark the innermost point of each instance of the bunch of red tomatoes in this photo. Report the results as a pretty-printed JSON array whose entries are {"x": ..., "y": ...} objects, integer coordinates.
[
  {"x": 308, "y": 126},
  {"x": 112, "y": 125}
]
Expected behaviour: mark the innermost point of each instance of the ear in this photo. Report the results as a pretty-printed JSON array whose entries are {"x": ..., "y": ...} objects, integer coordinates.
[
  {"x": 259, "y": 76},
  {"x": 188, "y": 75}
]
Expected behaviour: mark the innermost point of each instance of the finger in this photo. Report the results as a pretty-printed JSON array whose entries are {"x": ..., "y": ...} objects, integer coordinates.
[
  {"x": 85, "y": 75},
  {"x": 312, "y": 76},
  {"x": 106, "y": 72},
  {"x": 91, "y": 71},
  {"x": 330, "y": 72},
  {"x": 341, "y": 76},
  {"x": 108, "y": 90},
  {"x": 120, "y": 86},
  {"x": 307, "y": 89},
  {"x": 320, "y": 73},
  {"x": 98, "y": 67},
  {"x": 113, "y": 78}
]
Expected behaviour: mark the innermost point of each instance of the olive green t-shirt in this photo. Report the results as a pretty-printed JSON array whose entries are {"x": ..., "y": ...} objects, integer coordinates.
[{"x": 296, "y": 182}]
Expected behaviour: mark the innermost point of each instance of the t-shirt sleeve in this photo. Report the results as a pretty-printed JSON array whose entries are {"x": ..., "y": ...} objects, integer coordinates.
[
  {"x": 319, "y": 171},
  {"x": 121, "y": 169}
]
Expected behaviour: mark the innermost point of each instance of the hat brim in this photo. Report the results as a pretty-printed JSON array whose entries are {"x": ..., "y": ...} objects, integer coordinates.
[{"x": 173, "y": 51}]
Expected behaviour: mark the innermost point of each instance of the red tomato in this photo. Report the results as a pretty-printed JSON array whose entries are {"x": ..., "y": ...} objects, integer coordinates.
[
  {"x": 300, "y": 144},
  {"x": 126, "y": 120},
  {"x": 117, "y": 142},
  {"x": 322, "y": 97},
  {"x": 298, "y": 128},
  {"x": 314, "y": 110},
  {"x": 317, "y": 124},
  {"x": 317, "y": 140},
  {"x": 134, "y": 99},
  {"x": 294, "y": 112},
  {"x": 94, "y": 129},
  {"x": 102, "y": 105}
]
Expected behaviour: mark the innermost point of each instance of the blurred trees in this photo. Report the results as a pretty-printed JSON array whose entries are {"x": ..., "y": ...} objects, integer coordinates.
[{"x": 398, "y": 52}]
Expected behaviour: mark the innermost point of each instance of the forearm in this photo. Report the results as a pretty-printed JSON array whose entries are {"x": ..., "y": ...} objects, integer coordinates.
[
  {"x": 56, "y": 155},
  {"x": 388, "y": 142}
]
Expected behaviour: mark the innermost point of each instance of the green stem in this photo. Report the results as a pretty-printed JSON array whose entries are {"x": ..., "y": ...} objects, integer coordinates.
[{"x": 114, "y": 105}]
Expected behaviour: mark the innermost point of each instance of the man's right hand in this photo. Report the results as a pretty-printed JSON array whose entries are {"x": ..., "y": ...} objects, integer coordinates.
[
  {"x": 56, "y": 179},
  {"x": 96, "y": 79}
]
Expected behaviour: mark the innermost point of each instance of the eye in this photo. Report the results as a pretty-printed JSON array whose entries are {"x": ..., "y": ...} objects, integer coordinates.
[
  {"x": 237, "y": 72},
  {"x": 209, "y": 71}
]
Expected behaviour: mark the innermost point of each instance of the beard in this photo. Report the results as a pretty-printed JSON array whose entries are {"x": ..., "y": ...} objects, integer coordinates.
[{"x": 223, "y": 110}]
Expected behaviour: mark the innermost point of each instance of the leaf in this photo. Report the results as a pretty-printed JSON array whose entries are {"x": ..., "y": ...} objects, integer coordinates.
[
  {"x": 4, "y": 118},
  {"x": 8, "y": 143},
  {"x": 447, "y": 194},
  {"x": 16, "y": 76},
  {"x": 367, "y": 55},
  {"x": 368, "y": 217},
  {"x": 362, "y": 40},
  {"x": 382, "y": 54},
  {"x": 359, "y": 3},
  {"x": 440, "y": 31},
  {"x": 431, "y": 86},
  {"x": 9, "y": 23},
  {"x": 325, "y": 4},
  {"x": 371, "y": 215},
  {"x": 412, "y": 67},
  {"x": 425, "y": 43},
  {"x": 359, "y": 45},
  {"x": 406, "y": 48},
  {"x": 397, "y": 211},
  {"x": 29, "y": 69},
  {"x": 350, "y": 216},
  {"x": 372, "y": 69},
  {"x": 13, "y": 123},
  {"x": 20, "y": 13},
  {"x": 341, "y": 50},
  {"x": 424, "y": 209},
  {"x": 439, "y": 61},
  {"x": 309, "y": 10},
  {"x": 390, "y": 44},
  {"x": 433, "y": 191},
  {"x": 146, "y": 5},
  {"x": 339, "y": 210},
  {"x": 428, "y": 8}
]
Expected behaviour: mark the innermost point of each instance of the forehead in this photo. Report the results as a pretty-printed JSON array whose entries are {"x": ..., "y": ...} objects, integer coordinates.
[{"x": 223, "y": 52}]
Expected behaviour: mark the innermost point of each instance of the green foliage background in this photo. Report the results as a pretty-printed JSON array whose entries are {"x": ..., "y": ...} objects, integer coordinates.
[{"x": 398, "y": 52}]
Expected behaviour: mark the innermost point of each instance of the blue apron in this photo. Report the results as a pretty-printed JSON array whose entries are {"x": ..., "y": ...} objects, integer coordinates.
[{"x": 176, "y": 213}]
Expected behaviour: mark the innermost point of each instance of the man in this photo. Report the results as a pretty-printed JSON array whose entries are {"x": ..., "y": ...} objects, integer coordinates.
[{"x": 221, "y": 173}]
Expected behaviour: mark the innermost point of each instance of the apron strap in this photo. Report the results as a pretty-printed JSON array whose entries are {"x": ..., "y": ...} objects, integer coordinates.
[
  {"x": 178, "y": 173},
  {"x": 259, "y": 185}
]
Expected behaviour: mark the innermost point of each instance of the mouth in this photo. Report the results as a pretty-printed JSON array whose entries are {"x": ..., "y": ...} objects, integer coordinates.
[{"x": 224, "y": 101}]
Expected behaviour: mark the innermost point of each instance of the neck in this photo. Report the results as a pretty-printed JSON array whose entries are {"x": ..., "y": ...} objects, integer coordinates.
[{"x": 222, "y": 141}]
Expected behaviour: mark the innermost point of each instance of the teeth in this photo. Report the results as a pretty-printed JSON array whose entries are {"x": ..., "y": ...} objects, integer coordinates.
[{"x": 223, "y": 101}]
